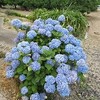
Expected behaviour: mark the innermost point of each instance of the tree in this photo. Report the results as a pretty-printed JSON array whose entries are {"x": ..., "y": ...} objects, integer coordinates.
[
  {"x": 2, "y": 3},
  {"x": 13, "y": 2}
]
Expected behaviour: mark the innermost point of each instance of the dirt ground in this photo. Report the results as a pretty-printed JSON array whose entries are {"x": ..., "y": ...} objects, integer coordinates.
[{"x": 9, "y": 88}]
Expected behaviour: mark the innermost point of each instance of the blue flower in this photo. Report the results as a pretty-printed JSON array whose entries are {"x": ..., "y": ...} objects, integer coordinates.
[
  {"x": 24, "y": 90},
  {"x": 35, "y": 47},
  {"x": 74, "y": 40},
  {"x": 63, "y": 69},
  {"x": 55, "y": 22},
  {"x": 35, "y": 56},
  {"x": 65, "y": 39},
  {"x": 84, "y": 69},
  {"x": 35, "y": 96},
  {"x": 48, "y": 34},
  {"x": 24, "y": 47},
  {"x": 23, "y": 44},
  {"x": 50, "y": 62},
  {"x": 48, "y": 21},
  {"x": 64, "y": 31},
  {"x": 14, "y": 49},
  {"x": 15, "y": 55},
  {"x": 49, "y": 27},
  {"x": 38, "y": 22},
  {"x": 42, "y": 96},
  {"x": 58, "y": 28},
  {"x": 81, "y": 62},
  {"x": 61, "y": 18},
  {"x": 50, "y": 79},
  {"x": 71, "y": 57},
  {"x": 16, "y": 40},
  {"x": 72, "y": 77},
  {"x": 15, "y": 64},
  {"x": 31, "y": 34},
  {"x": 61, "y": 58},
  {"x": 50, "y": 88},
  {"x": 70, "y": 28},
  {"x": 8, "y": 57},
  {"x": 44, "y": 48},
  {"x": 41, "y": 31},
  {"x": 69, "y": 48},
  {"x": 26, "y": 59},
  {"x": 20, "y": 35},
  {"x": 60, "y": 78},
  {"x": 55, "y": 43},
  {"x": 8, "y": 68},
  {"x": 35, "y": 66},
  {"x": 22, "y": 77},
  {"x": 63, "y": 89},
  {"x": 51, "y": 21},
  {"x": 34, "y": 27},
  {"x": 9, "y": 73},
  {"x": 16, "y": 23},
  {"x": 77, "y": 55},
  {"x": 42, "y": 26}
]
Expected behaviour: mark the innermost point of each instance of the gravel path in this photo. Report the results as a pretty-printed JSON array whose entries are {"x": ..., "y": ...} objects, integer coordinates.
[
  {"x": 92, "y": 47},
  {"x": 6, "y": 37}
]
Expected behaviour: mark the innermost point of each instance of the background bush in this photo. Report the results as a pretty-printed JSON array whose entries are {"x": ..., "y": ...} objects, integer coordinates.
[
  {"x": 80, "y": 5},
  {"x": 75, "y": 19},
  {"x": 84, "y": 5}
]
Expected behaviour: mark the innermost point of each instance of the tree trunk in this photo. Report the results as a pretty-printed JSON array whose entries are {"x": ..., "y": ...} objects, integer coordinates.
[{"x": 15, "y": 6}]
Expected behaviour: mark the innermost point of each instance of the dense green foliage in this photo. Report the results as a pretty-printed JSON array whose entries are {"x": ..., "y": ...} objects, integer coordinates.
[
  {"x": 84, "y": 5},
  {"x": 80, "y": 5},
  {"x": 75, "y": 19}
]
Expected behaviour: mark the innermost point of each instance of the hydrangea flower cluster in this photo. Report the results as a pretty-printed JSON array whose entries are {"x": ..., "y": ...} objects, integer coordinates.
[{"x": 47, "y": 58}]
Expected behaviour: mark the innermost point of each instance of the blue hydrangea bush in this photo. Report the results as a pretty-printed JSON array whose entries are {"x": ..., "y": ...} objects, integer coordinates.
[{"x": 46, "y": 58}]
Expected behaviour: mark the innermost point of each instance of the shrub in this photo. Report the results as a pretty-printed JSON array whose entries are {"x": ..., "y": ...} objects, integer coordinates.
[
  {"x": 46, "y": 58},
  {"x": 75, "y": 19},
  {"x": 83, "y": 5}
]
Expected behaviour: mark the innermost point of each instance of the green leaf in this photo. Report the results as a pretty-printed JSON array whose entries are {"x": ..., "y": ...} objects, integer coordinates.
[
  {"x": 33, "y": 81},
  {"x": 81, "y": 76},
  {"x": 34, "y": 88},
  {"x": 37, "y": 72},
  {"x": 29, "y": 68},
  {"x": 29, "y": 77},
  {"x": 57, "y": 34},
  {"x": 30, "y": 73},
  {"x": 16, "y": 76},
  {"x": 26, "y": 83},
  {"x": 49, "y": 67},
  {"x": 54, "y": 73},
  {"x": 25, "y": 71},
  {"x": 21, "y": 85},
  {"x": 42, "y": 59},
  {"x": 48, "y": 53},
  {"x": 42, "y": 82},
  {"x": 20, "y": 70},
  {"x": 37, "y": 79}
]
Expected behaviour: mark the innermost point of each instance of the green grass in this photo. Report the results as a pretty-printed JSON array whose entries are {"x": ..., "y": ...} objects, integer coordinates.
[{"x": 75, "y": 19}]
